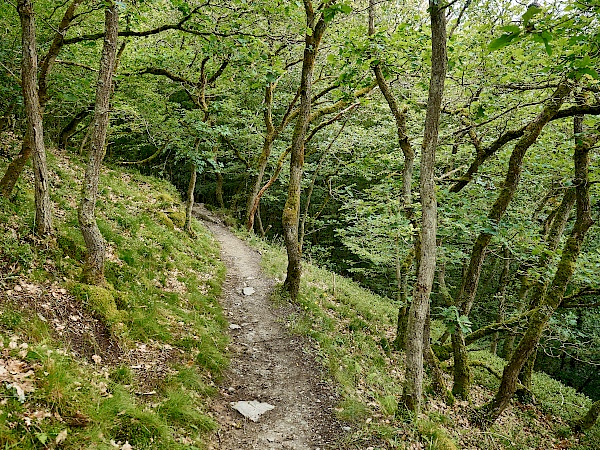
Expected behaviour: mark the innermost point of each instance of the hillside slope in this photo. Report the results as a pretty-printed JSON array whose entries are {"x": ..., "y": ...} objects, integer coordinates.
[
  {"x": 126, "y": 366},
  {"x": 134, "y": 365}
]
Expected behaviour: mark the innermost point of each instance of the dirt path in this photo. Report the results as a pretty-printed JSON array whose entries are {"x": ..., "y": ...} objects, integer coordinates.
[{"x": 268, "y": 364}]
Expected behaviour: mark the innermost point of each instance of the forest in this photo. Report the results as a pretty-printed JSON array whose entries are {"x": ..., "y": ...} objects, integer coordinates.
[{"x": 442, "y": 155}]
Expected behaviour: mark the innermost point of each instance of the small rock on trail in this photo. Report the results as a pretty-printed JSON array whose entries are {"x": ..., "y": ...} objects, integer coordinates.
[{"x": 268, "y": 364}]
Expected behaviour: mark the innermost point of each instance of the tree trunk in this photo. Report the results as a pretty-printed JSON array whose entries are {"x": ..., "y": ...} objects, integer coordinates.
[
  {"x": 413, "y": 386},
  {"x": 409, "y": 159},
  {"x": 586, "y": 422},
  {"x": 502, "y": 285},
  {"x": 470, "y": 281},
  {"x": 35, "y": 127},
  {"x": 291, "y": 210},
  {"x": 189, "y": 204},
  {"x": 70, "y": 128},
  {"x": 564, "y": 272},
  {"x": 15, "y": 168},
  {"x": 93, "y": 271},
  {"x": 264, "y": 156}
]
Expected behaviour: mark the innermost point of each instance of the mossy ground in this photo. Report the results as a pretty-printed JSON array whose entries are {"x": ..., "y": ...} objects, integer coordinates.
[{"x": 161, "y": 298}]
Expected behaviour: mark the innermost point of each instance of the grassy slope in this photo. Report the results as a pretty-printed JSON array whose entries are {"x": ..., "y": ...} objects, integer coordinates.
[
  {"x": 351, "y": 328},
  {"x": 160, "y": 308}
]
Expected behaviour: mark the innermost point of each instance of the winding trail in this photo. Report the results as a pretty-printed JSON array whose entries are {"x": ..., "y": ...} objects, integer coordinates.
[{"x": 268, "y": 364}]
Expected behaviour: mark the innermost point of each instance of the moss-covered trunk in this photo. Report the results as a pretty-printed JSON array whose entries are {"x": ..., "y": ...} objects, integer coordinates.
[
  {"x": 291, "y": 210},
  {"x": 93, "y": 271},
  {"x": 470, "y": 282},
  {"x": 35, "y": 127},
  {"x": 548, "y": 303}
]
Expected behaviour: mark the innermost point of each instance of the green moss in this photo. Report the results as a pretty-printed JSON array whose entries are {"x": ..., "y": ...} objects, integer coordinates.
[
  {"x": 178, "y": 218},
  {"x": 100, "y": 301},
  {"x": 166, "y": 220}
]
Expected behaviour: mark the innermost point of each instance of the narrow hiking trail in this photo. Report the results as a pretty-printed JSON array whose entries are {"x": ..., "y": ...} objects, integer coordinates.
[{"x": 268, "y": 364}]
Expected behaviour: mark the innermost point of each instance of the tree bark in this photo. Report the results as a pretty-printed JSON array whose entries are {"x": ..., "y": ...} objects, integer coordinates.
[
  {"x": 93, "y": 271},
  {"x": 470, "y": 282},
  {"x": 407, "y": 171},
  {"x": 413, "y": 386},
  {"x": 586, "y": 422},
  {"x": 291, "y": 210},
  {"x": 15, "y": 168},
  {"x": 35, "y": 128},
  {"x": 502, "y": 285},
  {"x": 189, "y": 204},
  {"x": 549, "y": 302}
]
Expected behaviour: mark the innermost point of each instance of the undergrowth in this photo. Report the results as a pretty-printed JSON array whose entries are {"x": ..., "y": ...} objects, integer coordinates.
[
  {"x": 161, "y": 298},
  {"x": 351, "y": 328}
]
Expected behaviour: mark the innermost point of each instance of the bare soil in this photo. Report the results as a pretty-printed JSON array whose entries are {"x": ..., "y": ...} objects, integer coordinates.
[{"x": 268, "y": 364}]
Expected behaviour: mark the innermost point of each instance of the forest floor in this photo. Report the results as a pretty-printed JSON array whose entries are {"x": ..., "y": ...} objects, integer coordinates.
[{"x": 268, "y": 364}]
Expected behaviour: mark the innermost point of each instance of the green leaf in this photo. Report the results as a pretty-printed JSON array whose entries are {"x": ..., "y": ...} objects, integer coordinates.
[
  {"x": 589, "y": 71},
  {"x": 511, "y": 29},
  {"x": 531, "y": 11},
  {"x": 42, "y": 437},
  {"x": 503, "y": 41}
]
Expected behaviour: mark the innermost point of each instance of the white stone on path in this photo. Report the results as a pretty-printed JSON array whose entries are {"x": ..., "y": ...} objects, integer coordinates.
[
  {"x": 248, "y": 290},
  {"x": 251, "y": 409}
]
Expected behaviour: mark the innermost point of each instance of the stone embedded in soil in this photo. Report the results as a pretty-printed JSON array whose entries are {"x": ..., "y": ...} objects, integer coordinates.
[
  {"x": 251, "y": 409},
  {"x": 248, "y": 290},
  {"x": 234, "y": 326}
]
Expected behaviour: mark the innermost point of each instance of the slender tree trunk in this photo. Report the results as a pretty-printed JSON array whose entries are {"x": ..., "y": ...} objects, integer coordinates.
[
  {"x": 70, "y": 128},
  {"x": 470, "y": 281},
  {"x": 413, "y": 386},
  {"x": 263, "y": 159},
  {"x": 189, "y": 204},
  {"x": 35, "y": 127},
  {"x": 15, "y": 168},
  {"x": 93, "y": 271},
  {"x": 291, "y": 210},
  {"x": 564, "y": 272},
  {"x": 502, "y": 285},
  {"x": 409, "y": 159}
]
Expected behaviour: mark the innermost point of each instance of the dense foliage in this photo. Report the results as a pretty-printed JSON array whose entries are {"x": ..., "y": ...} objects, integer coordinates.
[{"x": 213, "y": 88}]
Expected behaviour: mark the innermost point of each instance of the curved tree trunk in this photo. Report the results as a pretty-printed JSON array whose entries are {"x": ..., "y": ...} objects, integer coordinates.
[
  {"x": 548, "y": 303},
  {"x": 93, "y": 271},
  {"x": 409, "y": 159},
  {"x": 413, "y": 385},
  {"x": 466, "y": 296},
  {"x": 35, "y": 128}
]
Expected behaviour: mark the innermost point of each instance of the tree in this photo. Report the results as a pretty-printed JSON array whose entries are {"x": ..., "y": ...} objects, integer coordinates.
[
  {"x": 419, "y": 309},
  {"x": 550, "y": 300},
  {"x": 93, "y": 271},
  {"x": 34, "y": 136},
  {"x": 14, "y": 170},
  {"x": 316, "y": 25}
]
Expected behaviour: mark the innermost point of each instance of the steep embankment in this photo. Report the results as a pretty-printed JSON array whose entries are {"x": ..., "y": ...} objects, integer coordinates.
[{"x": 130, "y": 365}]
